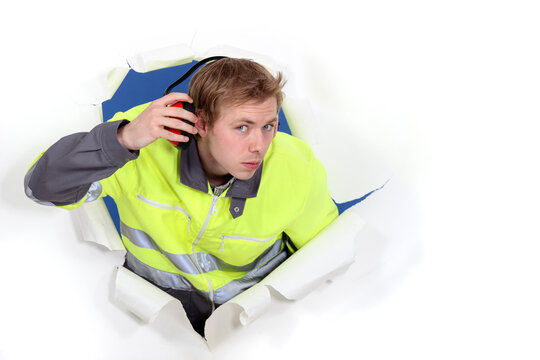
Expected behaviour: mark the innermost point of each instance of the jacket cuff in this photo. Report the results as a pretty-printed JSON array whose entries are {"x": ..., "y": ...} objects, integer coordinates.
[{"x": 114, "y": 151}]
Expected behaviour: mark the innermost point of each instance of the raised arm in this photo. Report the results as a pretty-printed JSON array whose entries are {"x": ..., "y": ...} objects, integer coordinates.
[{"x": 69, "y": 170}]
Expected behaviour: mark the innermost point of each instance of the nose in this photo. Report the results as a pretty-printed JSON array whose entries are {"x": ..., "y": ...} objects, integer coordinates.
[{"x": 257, "y": 141}]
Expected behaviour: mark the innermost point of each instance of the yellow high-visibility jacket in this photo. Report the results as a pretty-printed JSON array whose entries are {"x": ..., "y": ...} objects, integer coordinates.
[{"x": 179, "y": 233}]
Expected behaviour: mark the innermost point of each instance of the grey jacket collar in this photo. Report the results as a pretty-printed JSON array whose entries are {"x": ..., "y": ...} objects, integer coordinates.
[{"x": 192, "y": 175}]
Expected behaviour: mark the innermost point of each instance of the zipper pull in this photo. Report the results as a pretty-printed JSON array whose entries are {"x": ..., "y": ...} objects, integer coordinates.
[{"x": 214, "y": 204}]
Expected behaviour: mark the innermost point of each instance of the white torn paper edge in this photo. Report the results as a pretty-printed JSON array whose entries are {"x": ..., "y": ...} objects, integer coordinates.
[
  {"x": 100, "y": 87},
  {"x": 161, "y": 58},
  {"x": 305, "y": 124},
  {"x": 319, "y": 260},
  {"x": 330, "y": 251},
  {"x": 103, "y": 86},
  {"x": 140, "y": 297},
  {"x": 95, "y": 225},
  {"x": 234, "y": 52}
]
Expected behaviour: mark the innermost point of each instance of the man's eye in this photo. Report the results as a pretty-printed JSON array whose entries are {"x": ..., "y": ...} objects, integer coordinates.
[
  {"x": 242, "y": 128},
  {"x": 268, "y": 126}
]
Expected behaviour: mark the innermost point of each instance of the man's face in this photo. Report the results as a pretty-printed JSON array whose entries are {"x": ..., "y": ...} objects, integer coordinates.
[{"x": 238, "y": 140}]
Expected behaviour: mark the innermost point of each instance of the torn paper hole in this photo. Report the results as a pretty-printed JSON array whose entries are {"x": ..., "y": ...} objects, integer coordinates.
[{"x": 319, "y": 260}]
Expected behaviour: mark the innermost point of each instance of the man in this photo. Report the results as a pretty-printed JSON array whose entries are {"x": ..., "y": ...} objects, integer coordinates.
[{"x": 207, "y": 222}]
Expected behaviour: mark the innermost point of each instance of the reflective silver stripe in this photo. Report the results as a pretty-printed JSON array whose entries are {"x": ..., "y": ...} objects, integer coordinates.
[
  {"x": 235, "y": 287},
  {"x": 207, "y": 262},
  {"x": 210, "y": 262},
  {"x": 141, "y": 239},
  {"x": 159, "y": 277},
  {"x": 138, "y": 237},
  {"x": 93, "y": 192},
  {"x": 166, "y": 207},
  {"x": 223, "y": 294}
]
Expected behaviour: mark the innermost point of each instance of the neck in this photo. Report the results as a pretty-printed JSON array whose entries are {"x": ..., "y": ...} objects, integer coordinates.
[
  {"x": 218, "y": 181},
  {"x": 210, "y": 166}
]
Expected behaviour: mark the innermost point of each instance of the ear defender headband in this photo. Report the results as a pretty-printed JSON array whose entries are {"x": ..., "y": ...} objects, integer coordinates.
[{"x": 185, "y": 105}]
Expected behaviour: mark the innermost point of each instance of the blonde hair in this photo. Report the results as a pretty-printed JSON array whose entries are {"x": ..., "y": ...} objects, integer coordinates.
[{"x": 232, "y": 82}]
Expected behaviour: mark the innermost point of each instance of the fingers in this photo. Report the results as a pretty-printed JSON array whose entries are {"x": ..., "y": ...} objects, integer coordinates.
[
  {"x": 179, "y": 124},
  {"x": 179, "y": 113},
  {"x": 169, "y": 135},
  {"x": 150, "y": 124},
  {"x": 172, "y": 98}
]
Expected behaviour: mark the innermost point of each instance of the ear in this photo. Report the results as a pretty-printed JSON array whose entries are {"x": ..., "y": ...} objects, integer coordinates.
[{"x": 201, "y": 125}]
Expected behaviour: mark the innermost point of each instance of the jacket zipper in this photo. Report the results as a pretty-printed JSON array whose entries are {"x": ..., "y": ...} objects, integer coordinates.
[
  {"x": 211, "y": 212},
  {"x": 167, "y": 207},
  {"x": 203, "y": 229},
  {"x": 223, "y": 237}
]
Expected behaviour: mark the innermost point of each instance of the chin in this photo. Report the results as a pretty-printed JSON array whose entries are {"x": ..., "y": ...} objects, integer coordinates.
[{"x": 243, "y": 175}]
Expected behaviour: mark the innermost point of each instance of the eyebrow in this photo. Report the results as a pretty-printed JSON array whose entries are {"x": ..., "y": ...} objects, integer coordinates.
[{"x": 251, "y": 122}]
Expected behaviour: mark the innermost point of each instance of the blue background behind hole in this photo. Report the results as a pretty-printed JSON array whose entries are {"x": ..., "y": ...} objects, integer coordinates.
[{"x": 139, "y": 88}]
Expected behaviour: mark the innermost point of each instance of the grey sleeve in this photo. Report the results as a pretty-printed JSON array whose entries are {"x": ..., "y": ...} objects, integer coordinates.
[{"x": 70, "y": 167}]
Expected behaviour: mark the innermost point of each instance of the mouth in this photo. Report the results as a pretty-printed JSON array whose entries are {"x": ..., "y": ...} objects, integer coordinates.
[{"x": 252, "y": 165}]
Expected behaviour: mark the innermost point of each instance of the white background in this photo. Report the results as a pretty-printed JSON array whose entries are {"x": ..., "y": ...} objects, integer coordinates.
[{"x": 441, "y": 95}]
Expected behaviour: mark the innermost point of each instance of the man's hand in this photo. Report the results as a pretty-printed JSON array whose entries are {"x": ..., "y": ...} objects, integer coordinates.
[{"x": 150, "y": 124}]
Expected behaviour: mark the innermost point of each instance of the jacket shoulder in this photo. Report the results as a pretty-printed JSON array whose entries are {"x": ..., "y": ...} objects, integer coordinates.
[
  {"x": 129, "y": 114},
  {"x": 291, "y": 148}
]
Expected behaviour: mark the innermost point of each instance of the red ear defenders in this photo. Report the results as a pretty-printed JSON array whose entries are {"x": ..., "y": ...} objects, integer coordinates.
[
  {"x": 185, "y": 105},
  {"x": 189, "y": 107}
]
